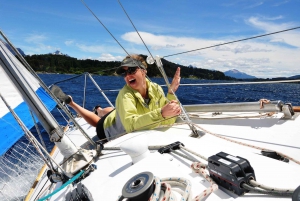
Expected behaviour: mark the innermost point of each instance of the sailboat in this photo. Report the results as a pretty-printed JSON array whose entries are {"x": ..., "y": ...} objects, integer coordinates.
[{"x": 242, "y": 151}]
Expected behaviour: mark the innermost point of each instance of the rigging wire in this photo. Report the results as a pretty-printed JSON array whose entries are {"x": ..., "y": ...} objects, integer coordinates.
[
  {"x": 28, "y": 67},
  {"x": 136, "y": 29},
  {"x": 238, "y": 83},
  {"x": 110, "y": 32},
  {"x": 232, "y": 42},
  {"x": 30, "y": 136},
  {"x": 82, "y": 1},
  {"x": 184, "y": 115},
  {"x": 41, "y": 138}
]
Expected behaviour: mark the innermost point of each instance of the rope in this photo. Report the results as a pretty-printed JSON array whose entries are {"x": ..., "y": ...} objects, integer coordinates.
[
  {"x": 198, "y": 167},
  {"x": 166, "y": 185},
  {"x": 165, "y": 188},
  {"x": 184, "y": 148},
  {"x": 256, "y": 184},
  {"x": 197, "y": 116},
  {"x": 234, "y": 141},
  {"x": 274, "y": 193},
  {"x": 247, "y": 145},
  {"x": 182, "y": 155}
]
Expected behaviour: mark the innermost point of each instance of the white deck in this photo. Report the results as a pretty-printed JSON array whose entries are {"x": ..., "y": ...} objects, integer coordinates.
[{"x": 115, "y": 168}]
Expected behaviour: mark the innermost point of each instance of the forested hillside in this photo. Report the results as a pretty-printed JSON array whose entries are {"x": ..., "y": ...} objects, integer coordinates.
[{"x": 49, "y": 63}]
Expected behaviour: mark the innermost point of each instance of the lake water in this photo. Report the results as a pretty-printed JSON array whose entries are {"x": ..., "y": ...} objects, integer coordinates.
[{"x": 286, "y": 92}]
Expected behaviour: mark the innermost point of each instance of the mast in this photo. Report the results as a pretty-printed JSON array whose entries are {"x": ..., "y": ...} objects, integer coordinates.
[{"x": 75, "y": 158}]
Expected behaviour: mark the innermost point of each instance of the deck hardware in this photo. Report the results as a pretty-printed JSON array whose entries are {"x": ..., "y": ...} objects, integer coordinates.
[
  {"x": 274, "y": 155},
  {"x": 86, "y": 173},
  {"x": 230, "y": 172},
  {"x": 139, "y": 187},
  {"x": 216, "y": 113},
  {"x": 296, "y": 194},
  {"x": 79, "y": 193},
  {"x": 287, "y": 110},
  {"x": 55, "y": 176},
  {"x": 99, "y": 147},
  {"x": 168, "y": 148}
]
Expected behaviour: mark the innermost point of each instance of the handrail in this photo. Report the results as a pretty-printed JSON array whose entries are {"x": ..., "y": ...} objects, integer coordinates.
[
  {"x": 273, "y": 106},
  {"x": 238, "y": 83}
]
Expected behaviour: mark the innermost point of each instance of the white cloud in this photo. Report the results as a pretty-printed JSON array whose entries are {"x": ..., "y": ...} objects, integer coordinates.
[
  {"x": 289, "y": 38},
  {"x": 273, "y": 18},
  {"x": 255, "y": 5},
  {"x": 263, "y": 57},
  {"x": 103, "y": 50},
  {"x": 36, "y": 38},
  {"x": 90, "y": 48},
  {"x": 109, "y": 57},
  {"x": 37, "y": 44},
  {"x": 280, "y": 3},
  {"x": 69, "y": 42},
  {"x": 241, "y": 49}
]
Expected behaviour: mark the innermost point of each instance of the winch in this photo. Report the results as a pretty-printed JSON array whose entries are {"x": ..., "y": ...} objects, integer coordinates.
[{"x": 139, "y": 187}]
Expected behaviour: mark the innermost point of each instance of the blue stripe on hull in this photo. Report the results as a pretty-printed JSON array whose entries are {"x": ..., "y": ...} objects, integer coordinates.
[{"x": 10, "y": 131}]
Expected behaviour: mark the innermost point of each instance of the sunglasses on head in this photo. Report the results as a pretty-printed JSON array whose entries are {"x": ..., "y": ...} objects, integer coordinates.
[{"x": 129, "y": 71}]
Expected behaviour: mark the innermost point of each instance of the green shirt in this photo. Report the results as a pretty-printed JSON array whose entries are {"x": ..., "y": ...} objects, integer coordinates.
[{"x": 132, "y": 113}]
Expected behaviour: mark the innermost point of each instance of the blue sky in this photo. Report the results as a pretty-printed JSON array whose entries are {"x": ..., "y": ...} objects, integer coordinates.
[{"x": 167, "y": 27}]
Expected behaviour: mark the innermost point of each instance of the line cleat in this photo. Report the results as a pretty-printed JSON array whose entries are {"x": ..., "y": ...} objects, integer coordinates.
[
  {"x": 60, "y": 95},
  {"x": 274, "y": 155},
  {"x": 168, "y": 148}
]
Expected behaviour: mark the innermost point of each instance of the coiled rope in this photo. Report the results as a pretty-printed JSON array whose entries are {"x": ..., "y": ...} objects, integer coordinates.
[{"x": 165, "y": 188}]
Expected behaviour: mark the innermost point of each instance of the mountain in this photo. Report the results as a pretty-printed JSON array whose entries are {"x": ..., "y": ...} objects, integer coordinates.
[
  {"x": 238, "y": 75},
  {"x": 11, "y": 50},
  {"x": 57, "y": 52},
  {"x": 294, "y": 77},
  {"x": 21, "y": 52}
]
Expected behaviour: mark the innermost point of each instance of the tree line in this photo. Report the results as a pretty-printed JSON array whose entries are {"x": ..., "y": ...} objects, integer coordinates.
[{"x": 49, "y": 63}]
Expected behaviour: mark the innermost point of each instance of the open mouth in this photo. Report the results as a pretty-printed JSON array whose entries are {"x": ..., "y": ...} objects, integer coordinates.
[{"x": 132, "y": 81}]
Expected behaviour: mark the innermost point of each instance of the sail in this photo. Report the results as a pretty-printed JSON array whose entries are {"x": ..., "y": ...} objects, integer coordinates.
[{"x": 10, "y": 132}]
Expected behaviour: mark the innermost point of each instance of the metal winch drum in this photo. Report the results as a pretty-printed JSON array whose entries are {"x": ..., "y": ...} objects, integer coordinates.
[{"x": 140, "y": 187}]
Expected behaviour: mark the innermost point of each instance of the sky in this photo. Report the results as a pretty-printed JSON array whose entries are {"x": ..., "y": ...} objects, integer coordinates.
[{"x": 167, "y": 27}]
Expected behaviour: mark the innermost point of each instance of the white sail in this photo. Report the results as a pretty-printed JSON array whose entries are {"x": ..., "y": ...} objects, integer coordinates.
[{"x": 10, "y": 131}]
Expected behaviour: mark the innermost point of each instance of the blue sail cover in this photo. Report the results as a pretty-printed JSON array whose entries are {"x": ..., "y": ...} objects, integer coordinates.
[{"x": 10, "y": 131}]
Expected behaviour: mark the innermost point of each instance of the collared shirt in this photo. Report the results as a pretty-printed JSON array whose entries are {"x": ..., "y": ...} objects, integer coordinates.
[{"x": 132, "y": 113}]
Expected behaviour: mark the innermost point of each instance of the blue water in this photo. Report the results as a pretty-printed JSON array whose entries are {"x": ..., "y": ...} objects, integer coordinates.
[{"x": 288, "y": 93}]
